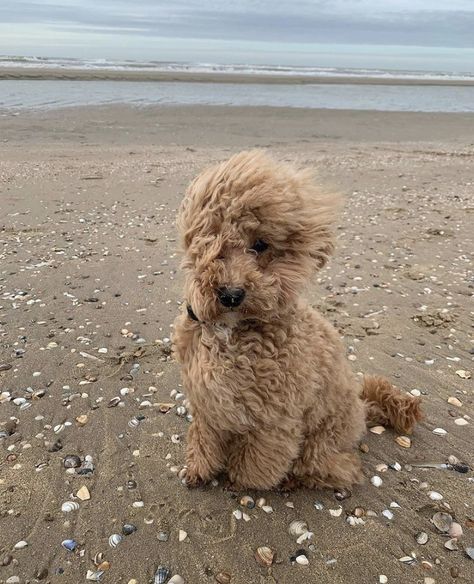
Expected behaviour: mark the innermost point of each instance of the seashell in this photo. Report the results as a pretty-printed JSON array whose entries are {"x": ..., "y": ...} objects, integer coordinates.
[
  {"x": 421, "y": 537},
  {"x": 363, "y": 447},
  {"x": 461, "y": 422},
  {"x": 161, "y": 575},
  {"x": 376, "y": 481},
  {"x": 470, "y": 552},
  {"x": 247, "y": 502},
  {"x": 128, "y": 529},
  {"x": 302, "y": 560},
  {"x": 104, "y": 566},
  {"x": 18, "y": 401},
  {"x": 407, "y": 560},
  {"x": 149, "y": 520},
  {"x": 261, "y": 502},
  {"x": 403, "y": 441},
  {"x": 133, "y": 423},
  {"x": 435, "y": 496},
  {"x": 114, "y": 402},
  {"x": 69, "y": 506},
  {"x": 335, "y": 512},
  {"x": 181, "y": 411},
  {"x": 415, "y": 392},
  {"x": 20, "y": 545},
  {"x": 38, "y": 394},
  {"x": 358, "y": 512},
  {"x": 98, "y": 558},
  {"x": 163, "y": 536},
  {"x": 25, "y": 406},
  {"x": 426, "y": 565},
  {"x": 383, "y": 579},
  {"x": 265, "y": 556},
  {"x": 83, "y": 494},
  {"x": 82, "y": 420},
  {"x": 94, "y": 576},
  {"x": 439, "y": 432},
  {"x": 377, "y": 429},
  {"x": 463, "y": 374},
  {"x": 381, "y": 468},
  {"x": 353, "y": 521},
  {"x": 58, "y": 428},
  {"x": 454, "y": 401},
  {"x": 175, "y": 438},
  {"x": 297, "y": 528},
  {"x": 442, "y": 521},
  {"x": 396, "y": 466},
  {"x": 394, "y": 505},
  {"x": 182, "y": 535},
  {"x": 451, "y": 544},
  {"x": 69, "y": 544},
  {"x": 237, "y": 514},
  {"x": 176, "y": 579},
  {"x": 223, "y": 578},
  {"x": 455, "y": 530},
  {"x": 115, "y": 539},
  {"x": 138, "y": 504},
  {"x": 71, "y": 461},
  {"x": 307, "y": 535},
  {"x": 267, "y": 509},
  {"x": 318, "y": 505},
  {"x": 387, "y": 514}
]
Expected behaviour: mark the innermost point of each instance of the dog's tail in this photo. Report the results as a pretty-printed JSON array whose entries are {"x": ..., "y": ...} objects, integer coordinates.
[{"x": 387, "y": 405}]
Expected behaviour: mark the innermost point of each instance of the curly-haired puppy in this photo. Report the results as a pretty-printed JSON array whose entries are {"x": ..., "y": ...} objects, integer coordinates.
[{"x": 273, "y": 398}]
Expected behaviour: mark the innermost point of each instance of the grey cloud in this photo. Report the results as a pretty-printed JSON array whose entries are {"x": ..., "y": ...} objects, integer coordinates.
[{"x": 318, "y": 21}]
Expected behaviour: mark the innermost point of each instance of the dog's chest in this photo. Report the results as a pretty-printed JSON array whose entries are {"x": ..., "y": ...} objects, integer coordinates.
[{"x": 234, "y": 380}]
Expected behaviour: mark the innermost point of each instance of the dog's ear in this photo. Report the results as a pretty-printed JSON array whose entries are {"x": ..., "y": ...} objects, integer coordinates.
[{"x": 319, "y": 213}]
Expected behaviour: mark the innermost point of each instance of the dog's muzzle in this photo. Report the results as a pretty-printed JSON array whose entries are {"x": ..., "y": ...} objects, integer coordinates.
[{"x": 231, "y": 297}]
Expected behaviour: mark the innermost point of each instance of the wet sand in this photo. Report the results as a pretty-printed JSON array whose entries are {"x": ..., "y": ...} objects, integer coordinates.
[
  {"x": 211, "y": 77},
  {"x": 90, "y": 285}
]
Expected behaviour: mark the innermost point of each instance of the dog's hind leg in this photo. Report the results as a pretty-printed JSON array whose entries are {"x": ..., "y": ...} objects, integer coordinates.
[
  {"x": 206, "y": 452},
  {"x": 261, "y": 459}
]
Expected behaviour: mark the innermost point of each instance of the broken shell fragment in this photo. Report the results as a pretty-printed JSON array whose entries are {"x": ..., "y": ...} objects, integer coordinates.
[
  {"x": 455, "y": 530},
  {"x": 297, "y": 528},
  {"x": 83, "y": 494},
  {"x": 451, "y": 544},
  {"x": 265, "y": 556},
  {"x": 439, "y": 432},
  {"x": 376, "y": 481}
]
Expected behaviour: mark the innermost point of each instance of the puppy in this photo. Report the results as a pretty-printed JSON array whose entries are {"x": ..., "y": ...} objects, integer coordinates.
[{"x": 273, "y": 399}]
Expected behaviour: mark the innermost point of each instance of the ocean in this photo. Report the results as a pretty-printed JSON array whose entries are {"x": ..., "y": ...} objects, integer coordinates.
[{"x": 20, "y": 94}]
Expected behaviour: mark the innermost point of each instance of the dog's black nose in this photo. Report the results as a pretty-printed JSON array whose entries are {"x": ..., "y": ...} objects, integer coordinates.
[{"x": 230, "y": 297}]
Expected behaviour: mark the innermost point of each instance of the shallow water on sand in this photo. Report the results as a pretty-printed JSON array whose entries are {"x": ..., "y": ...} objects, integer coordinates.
[{"x": 51, "y": 94}]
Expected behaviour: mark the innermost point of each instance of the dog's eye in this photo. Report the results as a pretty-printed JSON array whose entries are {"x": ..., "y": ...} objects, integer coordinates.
[{"x": 259, "y": 246}]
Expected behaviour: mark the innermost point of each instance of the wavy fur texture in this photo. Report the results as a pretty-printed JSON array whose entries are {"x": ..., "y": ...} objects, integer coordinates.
[{"x": 273, "y": 398}]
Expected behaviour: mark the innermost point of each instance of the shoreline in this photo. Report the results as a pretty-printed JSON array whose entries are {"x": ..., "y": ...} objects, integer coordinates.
[{"x": 40, "y": 74}]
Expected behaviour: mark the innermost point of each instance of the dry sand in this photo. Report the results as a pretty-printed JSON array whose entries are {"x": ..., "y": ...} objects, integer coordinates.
[{"x": 88, "y": 199}]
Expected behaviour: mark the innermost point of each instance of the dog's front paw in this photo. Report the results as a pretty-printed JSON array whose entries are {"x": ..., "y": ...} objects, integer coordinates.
[
  {"x": 192, "y": 479},
  {"x": 288, "y": 484}
]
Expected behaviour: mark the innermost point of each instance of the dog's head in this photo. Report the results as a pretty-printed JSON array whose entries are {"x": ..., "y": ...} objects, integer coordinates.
[{"x": 253, "y": 231}]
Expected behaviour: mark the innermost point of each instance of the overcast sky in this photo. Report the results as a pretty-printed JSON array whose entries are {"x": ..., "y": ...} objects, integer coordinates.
[{"x": 291, "y": 31}]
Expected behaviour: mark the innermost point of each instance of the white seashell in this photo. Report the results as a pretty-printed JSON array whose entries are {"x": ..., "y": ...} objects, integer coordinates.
[
  {"x": 461, "y": 422},
  {"x": 353, "y": 520},
  {"x": 381, "y": 468},
  {"x": 69, "y": 506},
  {"x": 319, "y": 506},
  {"x": 394, "y": 505},
  {"x": 175, "y": 439},
  {"x": 376, "y": 481},
  {"x": 182, "y": 535},
  {"x": 421, "y": 537},
  {"x": 245, "y": 517},
  {"x": 306, "y": 536},
  {"x": 20, "y": 545},
  {"x": 451, "y": 544},
  {"x": 267, "y": 508},
  {"x": 454, "y": 401},
  {"x": 115, "y": 539},
  {"x": 138, "y": 504},
  {"x": 18, "y": 401},
  {"x": 415, "y": 392},
  {"x": 442, "y": 521},
  {"x": 455, "y": 530},
  {"x": 387, "y": 514},
  {"x": 261, "y": 502},
  {"x": 435, "y": 496},
  {"x": 176, "y": 579},
  {"x": 383, "y": 579},
  {"x": 237, "y": 514},
  {"x": 94, "y": 576},
  {"x": 377, "y": 429},
  {"x": 396, "y": 466},
  {"x": 58, "y": 428},
  {"x": 297, "y": 528},
  {"x": 439, "y": 432},
  {"x": 336, "y": 512},
  {"x": 302, "y": 560},
  {"x": 133, "y": 423},
  {"x": 407, "y": 560}
]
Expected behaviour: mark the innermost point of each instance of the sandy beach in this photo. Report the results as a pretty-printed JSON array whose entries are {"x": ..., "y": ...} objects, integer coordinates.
[{"x": 89, "y": 288}]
